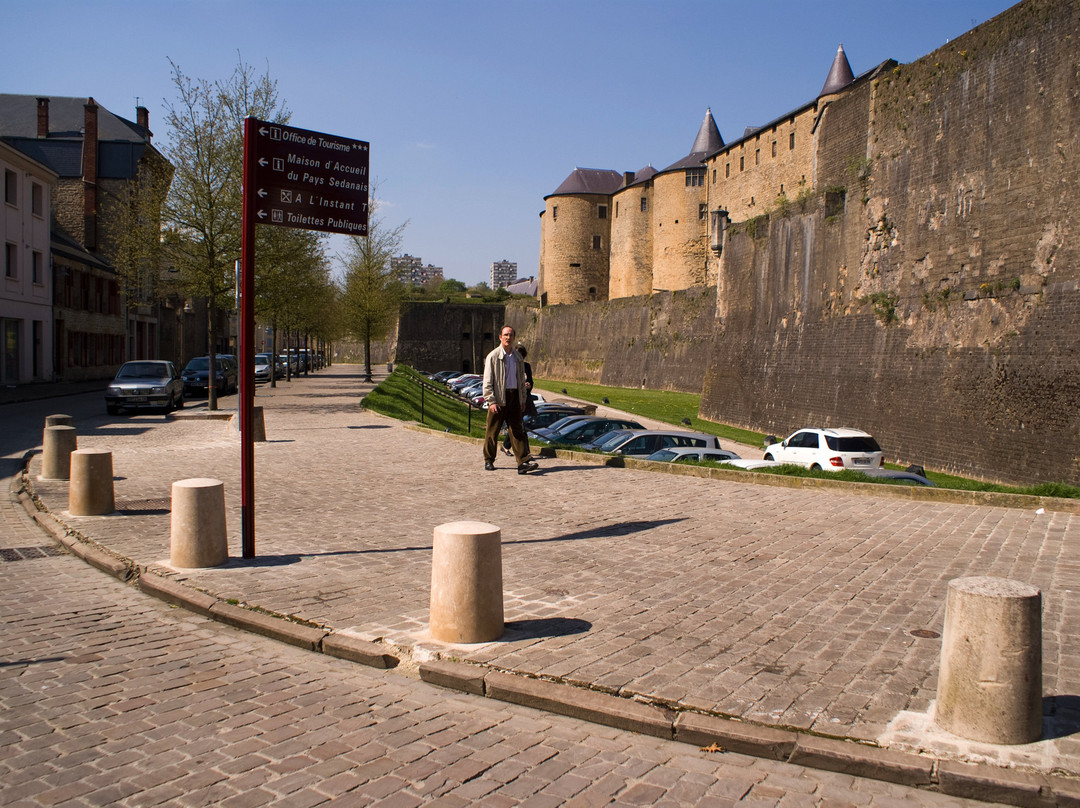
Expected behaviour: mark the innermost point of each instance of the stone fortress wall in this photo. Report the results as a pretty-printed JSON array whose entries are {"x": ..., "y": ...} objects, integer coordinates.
[{"x": 922, "y": 285}]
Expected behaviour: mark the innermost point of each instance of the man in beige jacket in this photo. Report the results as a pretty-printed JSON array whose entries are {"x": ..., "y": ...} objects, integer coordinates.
[{"x": 506, "y": 393}]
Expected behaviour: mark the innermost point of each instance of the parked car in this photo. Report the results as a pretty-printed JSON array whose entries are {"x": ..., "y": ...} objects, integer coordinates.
[
  {"x": 547, "y": 414},
  {"x": 644, "y": 442},
  {"x": 463, "y": 381},
  {"x": 908, "y": 477},
  {"x": 265, "y": 363},
  {"x": 586, "y": 429},
  {"x": 692, "y": 454},
  {"x": 445, "y": 375},
  {"x": 561, "y": 423},
  {"x": 145, "y": 383},
  {"x": 197, "y": 373},
  {"x": 828, "y": 449},
  {"x": 750, "y": 465}
]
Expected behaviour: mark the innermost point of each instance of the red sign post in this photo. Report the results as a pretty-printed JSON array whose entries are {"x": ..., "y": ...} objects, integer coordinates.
[{"x": 292, "y": 178}]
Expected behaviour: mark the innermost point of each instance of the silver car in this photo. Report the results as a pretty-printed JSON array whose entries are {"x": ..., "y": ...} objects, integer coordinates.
[
  {"x": 693, "y": 454},
  {"x": 145, "y": 383},
  {"x": 643, "y": 442}
]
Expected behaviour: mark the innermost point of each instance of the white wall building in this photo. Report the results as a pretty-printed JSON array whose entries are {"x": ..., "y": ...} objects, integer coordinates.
[{"x": 26, "y": 299}]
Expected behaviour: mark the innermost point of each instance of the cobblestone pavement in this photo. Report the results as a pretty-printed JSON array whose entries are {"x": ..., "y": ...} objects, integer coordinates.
[
  {"x": 804, "y": 609},
  {"x": 110, "y": 697}
]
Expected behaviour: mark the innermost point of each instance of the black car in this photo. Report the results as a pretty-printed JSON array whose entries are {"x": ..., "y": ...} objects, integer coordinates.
[
  {"x": 197, "y": 372},
  {"x": 547, "y": 414},
  {"x": 583, "y": 430}
]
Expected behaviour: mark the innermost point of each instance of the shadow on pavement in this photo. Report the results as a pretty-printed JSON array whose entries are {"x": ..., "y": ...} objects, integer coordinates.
[
  {"x": 517, "y": 630},
  {"x": 1061, "y": 716}
]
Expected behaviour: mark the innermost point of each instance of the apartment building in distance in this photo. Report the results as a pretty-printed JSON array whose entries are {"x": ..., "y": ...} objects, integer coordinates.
[
  {"x": 503, "y": 273},
  {"x": 412, "y": 272}
]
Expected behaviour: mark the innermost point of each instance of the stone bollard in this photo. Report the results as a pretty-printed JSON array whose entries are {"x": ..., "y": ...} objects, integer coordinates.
[
  {"x": 198, "y": 537},
  {"x": 990, "y": 685},
  {"x": 58, "y": 444},
  {"x": 466, "y": 583},
  {"x": 258, "y": 424},
  {"x": 59, "y": 420},
  {"x": 90, "y": 492}
]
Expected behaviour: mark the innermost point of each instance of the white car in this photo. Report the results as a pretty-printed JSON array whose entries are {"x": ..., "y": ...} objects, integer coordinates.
[{"x": 828, "y": 450}]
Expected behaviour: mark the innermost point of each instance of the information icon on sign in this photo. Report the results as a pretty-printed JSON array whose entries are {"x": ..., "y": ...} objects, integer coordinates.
[{"x": 277, "y": 216}]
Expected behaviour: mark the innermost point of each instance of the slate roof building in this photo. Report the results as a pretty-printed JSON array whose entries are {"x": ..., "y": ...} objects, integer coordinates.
[
  {"x": 99, "y": 318},
  {"x": 607, "y": 235}
]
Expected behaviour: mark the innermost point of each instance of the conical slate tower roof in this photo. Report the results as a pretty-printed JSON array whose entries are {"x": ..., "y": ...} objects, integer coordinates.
[
  {"x": 708, "y": 141},
  {"x": 840, "y": 75}
]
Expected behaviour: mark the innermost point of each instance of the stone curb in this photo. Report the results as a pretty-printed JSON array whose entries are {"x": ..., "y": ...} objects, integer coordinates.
[
  {"x": 735, "y": 736},
  {"x": 588, "y": 705},
  {"x": 863, "y": 761},
  {"x": 992, "y": 784},
  {"x": 354, "y": 649},
  {"x": 177, "y": 594},
  {"x": 268, "y": 626}
]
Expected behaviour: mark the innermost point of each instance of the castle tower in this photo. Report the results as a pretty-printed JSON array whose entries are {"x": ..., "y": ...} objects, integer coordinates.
[
  {"x": 840, "y": 75},
  {"x": 632, "y": 236},
  {"x": 575, "y": 237},
  {"x": 681, "y": 218}
]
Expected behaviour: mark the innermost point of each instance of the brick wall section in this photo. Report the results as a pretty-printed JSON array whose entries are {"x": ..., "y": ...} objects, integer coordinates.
[
  {"x": 680, "y": 237},
  {"x": 939, "y": 308},
  {"x": 571, "y": 269},
  {"x": 451, "y": 336},
  {"x": 658, "y": 342},
  {"x": 631, "y": 242}
]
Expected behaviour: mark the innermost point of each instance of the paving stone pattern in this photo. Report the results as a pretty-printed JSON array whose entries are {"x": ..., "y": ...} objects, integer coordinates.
[
  {"x": 110, "y": 697},
  {"x": 785, "y": 607}
]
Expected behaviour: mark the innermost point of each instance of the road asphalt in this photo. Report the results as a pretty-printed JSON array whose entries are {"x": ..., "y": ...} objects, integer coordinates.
[{"x": 800, "y": 623}]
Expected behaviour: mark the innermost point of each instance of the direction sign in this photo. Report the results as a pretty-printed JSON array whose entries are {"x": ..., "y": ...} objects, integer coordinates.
[{"x": 309, "y": 180}]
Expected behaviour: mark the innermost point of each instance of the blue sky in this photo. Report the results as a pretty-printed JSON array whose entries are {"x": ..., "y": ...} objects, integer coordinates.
[{"x": 475, "y": 110}]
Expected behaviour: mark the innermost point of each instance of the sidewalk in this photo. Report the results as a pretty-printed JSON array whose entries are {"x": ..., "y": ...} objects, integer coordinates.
[{"x": 805, "y": 611}]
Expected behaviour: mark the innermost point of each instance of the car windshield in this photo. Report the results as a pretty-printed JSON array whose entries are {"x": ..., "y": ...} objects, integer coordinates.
[
  {"x": 557, "y": 425},
  {"x": 611, "y": 439},
  {"x": 854, "y": 443},
  {"x": 199, "y": 363},
  {"x": 663, "y": 454},
  {"x": 142, "y": 370}
]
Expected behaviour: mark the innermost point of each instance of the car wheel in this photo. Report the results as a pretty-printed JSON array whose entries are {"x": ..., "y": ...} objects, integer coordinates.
[
  {"x": 815, "y": 467},
  {"x": 112, "y": 409},
  {"x": 180, "y": 402},
  {"x": 768, "y": 457}
]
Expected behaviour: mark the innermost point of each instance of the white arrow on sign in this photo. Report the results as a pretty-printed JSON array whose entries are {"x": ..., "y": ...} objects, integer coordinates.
[
  {"x": 261, "y": 214},
  {"x": 261, "y": 192},
  {"x": 262, "y": 161}
]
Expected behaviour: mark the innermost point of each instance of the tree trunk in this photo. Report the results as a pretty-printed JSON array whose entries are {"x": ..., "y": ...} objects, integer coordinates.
[
  {"x": 211, "y": 375},
  {"x": 367, "y": 352}
]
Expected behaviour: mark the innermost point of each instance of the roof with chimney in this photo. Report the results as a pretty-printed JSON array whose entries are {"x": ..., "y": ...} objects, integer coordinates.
[
  {"x": 708, "y": 141},
  {"x": 121, "y": 142}
]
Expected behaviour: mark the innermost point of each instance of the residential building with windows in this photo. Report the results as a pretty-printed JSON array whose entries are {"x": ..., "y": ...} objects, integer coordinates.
[
  {"x": 100, "y": 317},
  {"x": 26, "y": 287},
  {"x": 410, "y": 269},
  {"x": 503, "y": 273}
]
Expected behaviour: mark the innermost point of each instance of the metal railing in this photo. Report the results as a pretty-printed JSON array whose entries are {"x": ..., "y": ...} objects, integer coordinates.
[{"x": 439, "y": 390}]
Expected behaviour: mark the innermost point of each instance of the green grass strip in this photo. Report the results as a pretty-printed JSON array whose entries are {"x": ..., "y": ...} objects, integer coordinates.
[{"x": 399, "y": 396}]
